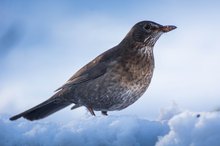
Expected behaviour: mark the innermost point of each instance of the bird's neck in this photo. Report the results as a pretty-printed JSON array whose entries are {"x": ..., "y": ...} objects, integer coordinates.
[
  {"x": 138, "y": 48},
  {"x": 129, "y": 43},
  {"x": 139, "y": 52}
]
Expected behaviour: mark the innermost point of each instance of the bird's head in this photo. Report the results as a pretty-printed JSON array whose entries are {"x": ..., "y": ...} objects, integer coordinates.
[{"x": 148, "y": 32}]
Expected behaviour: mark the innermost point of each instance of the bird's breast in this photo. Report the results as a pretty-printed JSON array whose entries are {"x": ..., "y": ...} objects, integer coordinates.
[
  {"x": 134, "y": 76},
  {"x": 137, "y": 68}
]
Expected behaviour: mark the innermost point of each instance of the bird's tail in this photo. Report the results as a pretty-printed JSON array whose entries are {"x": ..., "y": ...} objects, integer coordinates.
[{"x": 42, "y": 110}]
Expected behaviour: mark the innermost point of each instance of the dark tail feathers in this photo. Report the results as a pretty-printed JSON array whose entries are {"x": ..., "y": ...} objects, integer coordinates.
[{"x": 41, "y": 111}]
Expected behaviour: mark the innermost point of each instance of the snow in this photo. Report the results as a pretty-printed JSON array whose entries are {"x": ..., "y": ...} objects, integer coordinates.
[
  {"x": 187, "y": 129},
  {"x": 174, "y": 127}
]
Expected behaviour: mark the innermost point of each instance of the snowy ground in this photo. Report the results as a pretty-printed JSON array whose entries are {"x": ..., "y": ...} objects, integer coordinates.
[{"x": 174, "y": 127}]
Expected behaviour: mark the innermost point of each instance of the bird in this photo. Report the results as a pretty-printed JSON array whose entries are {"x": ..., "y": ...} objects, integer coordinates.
[{"x": 113, "y": 80}]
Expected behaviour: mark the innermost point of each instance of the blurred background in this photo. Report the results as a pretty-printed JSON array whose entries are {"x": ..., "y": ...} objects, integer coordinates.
[{"x": 42, "y": 43}]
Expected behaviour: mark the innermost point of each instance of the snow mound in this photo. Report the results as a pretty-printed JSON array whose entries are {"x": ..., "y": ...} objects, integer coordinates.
[
  {"x": 175, "y": 128},
  {"x": 93, "y": 131},
  {"x": 191, "y": 129}
]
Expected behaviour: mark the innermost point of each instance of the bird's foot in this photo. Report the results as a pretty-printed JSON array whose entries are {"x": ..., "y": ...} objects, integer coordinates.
[
  {"x": 91, "y": 111},
  {"x": 104, "y": 113}
]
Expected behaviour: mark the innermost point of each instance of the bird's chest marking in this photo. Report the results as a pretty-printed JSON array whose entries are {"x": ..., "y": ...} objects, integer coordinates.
[{"x": 145, "y": 50}]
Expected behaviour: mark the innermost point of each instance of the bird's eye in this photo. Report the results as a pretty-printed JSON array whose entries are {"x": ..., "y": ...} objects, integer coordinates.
[{"x": 147, "y": 27}]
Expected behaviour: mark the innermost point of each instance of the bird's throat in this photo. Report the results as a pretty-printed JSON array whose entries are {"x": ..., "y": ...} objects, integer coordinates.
[{"x": 145, "y": 50}]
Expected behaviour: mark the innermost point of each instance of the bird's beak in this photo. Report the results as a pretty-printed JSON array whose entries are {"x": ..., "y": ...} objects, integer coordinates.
[{"x": 167, "y": 28}]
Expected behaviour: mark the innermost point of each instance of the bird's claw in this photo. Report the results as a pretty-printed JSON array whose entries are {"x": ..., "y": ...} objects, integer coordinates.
[
  {"x": 91, "y": 111},
  {"x": 104, "y": 113}
]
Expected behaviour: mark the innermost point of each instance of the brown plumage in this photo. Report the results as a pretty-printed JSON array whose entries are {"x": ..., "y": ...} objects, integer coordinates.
[{"x": 113, "y": 80}]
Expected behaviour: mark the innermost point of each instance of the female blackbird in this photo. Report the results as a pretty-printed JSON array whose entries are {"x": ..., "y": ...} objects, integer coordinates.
[{"x": 113, "y": 80}]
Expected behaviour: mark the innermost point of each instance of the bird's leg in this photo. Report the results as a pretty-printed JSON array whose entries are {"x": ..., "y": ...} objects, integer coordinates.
[
  {"x": 75, "y": 106},
  {"x": 104, "y": 113},
  {"x": 91, "y": 111}
]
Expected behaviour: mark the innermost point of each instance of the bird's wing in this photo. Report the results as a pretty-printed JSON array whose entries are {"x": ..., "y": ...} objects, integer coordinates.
[
  {"x": 91, "y": 71},
  {"x": 94, "y": 69}
]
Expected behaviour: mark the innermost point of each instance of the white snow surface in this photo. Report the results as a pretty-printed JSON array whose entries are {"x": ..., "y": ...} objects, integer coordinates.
[{"x": 174, "y": 127}]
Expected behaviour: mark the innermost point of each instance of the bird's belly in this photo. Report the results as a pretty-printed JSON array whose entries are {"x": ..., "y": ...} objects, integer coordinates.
[
  {"x": 127, "y": 98},
  {"x": 117, "y": 98}
]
